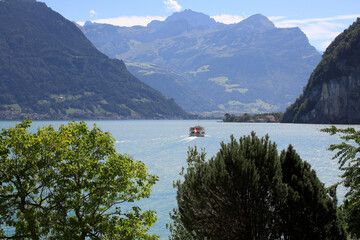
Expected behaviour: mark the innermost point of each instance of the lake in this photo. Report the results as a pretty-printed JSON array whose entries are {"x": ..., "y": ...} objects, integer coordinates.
[{"x": 162, "y": 145}]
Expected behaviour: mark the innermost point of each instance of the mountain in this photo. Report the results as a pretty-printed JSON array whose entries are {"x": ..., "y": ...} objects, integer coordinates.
[
  {"x": 332, "y": 94},
  {"x": 251, "y": 66},
  {"x": 256, "y": 22},
  {"x": 49, "y": 69},
  {"x": 173, "y": 85},
  {"x": 194, "y": 19}
]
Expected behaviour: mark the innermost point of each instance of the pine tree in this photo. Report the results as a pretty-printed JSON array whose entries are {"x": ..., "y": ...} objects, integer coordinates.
[
  {"x": 309, "y": 212},
  {"x": 234, "y": 195},
  {"x": 247, "y": 191}
]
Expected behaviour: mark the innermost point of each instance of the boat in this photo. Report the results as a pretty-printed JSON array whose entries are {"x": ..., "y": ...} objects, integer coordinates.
[{"x": 197, "y": 131}]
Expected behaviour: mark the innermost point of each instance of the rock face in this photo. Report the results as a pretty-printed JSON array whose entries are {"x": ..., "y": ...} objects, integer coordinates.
[
  {"x": 194, "y": 19},
  {"x": 49, "y": 69},
  {"x": 251, "y": 66},
  {"x": 332, "y": 94}
]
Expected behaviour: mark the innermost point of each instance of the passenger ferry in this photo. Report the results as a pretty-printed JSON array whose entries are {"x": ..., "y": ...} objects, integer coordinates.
[{"x": 197, "y": 131}]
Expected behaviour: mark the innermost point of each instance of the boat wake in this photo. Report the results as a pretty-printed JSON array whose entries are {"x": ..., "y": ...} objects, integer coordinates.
[
  {"x": 187, "y": 139},
  {"x": 122, "y": 141},
  {"x": 179, "y": 139}
]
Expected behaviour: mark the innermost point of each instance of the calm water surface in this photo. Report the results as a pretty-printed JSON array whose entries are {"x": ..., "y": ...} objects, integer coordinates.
[{"x": 163, "y": 145}]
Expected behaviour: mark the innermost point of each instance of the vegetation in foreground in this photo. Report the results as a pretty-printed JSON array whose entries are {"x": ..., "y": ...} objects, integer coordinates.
[
  {"x": 70, "y": 184},
  {"x": 249, "y": 191},
  {"x": 348, "y": 154}
]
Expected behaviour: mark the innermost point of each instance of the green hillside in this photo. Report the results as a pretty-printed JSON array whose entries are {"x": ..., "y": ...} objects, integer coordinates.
[{"x": 50, "y": 70}]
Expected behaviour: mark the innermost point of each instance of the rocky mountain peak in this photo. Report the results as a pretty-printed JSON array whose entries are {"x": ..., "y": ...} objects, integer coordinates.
[
  {"x": 194, "y": 19},
  {"x": 258, "y": 22}
]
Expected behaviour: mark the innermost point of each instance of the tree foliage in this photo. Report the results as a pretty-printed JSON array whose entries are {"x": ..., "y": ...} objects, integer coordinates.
[
  {"x": 177, "y": 228},
  {"x": 70, "y": 184},
  {"x": 249, "y": 191},
  {"x": 309, "y": 210},
  {"x": 348, "y": 155}
]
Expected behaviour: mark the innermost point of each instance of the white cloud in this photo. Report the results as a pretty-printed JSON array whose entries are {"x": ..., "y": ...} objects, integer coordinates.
[
  {"x": 322, "y": 30},
  {"x": 228, "y": 19},
  {"x": 319, "y": 30},
  {"x": 276, "y": 18},
  {"x": 92, "y": 13},
  {"x": 129, "y": 21},
  {"x": 289, "y": 23},
  {"x": 172, "y": 6}
]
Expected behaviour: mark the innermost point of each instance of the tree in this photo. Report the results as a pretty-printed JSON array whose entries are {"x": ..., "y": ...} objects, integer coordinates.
[
  {"x": 177, "y": 228},
  {"x": 70, "y": 184},
  {"x": 246, "y": 192},
  {"x": 233, "y": 195},
  {"x": 348, "y": 154},
  {"x": 310, "y": 210}
]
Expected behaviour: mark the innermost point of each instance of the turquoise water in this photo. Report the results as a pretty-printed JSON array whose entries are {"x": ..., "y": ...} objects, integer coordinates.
[{"x": 162, "y": 145}]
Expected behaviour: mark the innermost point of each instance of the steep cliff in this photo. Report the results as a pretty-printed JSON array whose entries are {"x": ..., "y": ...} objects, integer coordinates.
[{"x": 332, "y": 94}]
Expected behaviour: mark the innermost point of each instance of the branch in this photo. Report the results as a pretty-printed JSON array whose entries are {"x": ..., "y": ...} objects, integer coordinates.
[
  {"x": 7, "y": 196},
  {"x": 16, "y": 237}
]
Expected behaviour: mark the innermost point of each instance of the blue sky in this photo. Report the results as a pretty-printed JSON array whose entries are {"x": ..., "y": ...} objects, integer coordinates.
[{"x": 320, "y": 20}]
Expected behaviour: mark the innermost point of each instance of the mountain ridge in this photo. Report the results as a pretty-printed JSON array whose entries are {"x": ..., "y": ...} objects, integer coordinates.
[
  {"x": 50, "y": 70},
  {"x": 251, "y": 66},
  {"x": 195, "y": 19},
  {"x": 257, "y": 21}
]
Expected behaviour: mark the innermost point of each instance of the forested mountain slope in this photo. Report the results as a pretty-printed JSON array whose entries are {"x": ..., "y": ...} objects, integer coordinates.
[{"x": 50, "y": 70}]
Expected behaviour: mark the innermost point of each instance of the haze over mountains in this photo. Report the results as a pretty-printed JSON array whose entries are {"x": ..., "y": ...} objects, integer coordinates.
[
  {"x": 50, "y": 70},
  {"x": 251, "y": 66}
]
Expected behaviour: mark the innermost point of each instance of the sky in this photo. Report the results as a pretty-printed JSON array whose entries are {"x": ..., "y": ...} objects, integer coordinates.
[{"x": 320, "y": 20}]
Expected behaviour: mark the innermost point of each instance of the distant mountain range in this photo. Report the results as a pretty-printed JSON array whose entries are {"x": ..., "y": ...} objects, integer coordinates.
[
  {"x": 251, "y": 66},
  {"x": 173, "y": 85},
  {"x": 332, "y": 94},
  {"x": 50, "y": 70}
]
